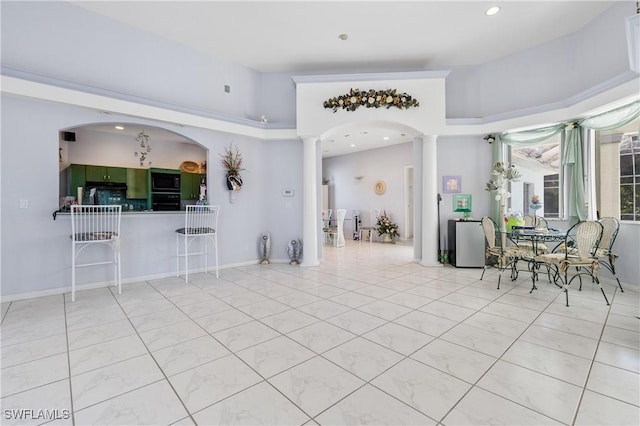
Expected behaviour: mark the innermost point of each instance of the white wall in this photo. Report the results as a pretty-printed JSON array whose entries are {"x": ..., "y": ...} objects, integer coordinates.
[
  {"x": 111, "y": 149},
  {"x": 470, "y": 158},
  {"x": 62, "y": 41}
]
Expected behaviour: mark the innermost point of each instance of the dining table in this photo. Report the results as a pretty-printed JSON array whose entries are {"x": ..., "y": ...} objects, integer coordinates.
[{"x": 537, "y": 237}]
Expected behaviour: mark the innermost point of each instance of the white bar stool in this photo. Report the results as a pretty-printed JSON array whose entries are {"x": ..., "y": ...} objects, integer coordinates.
[
  {"x": 200, "y": 222},
  {"x": 92, "y": 225}
]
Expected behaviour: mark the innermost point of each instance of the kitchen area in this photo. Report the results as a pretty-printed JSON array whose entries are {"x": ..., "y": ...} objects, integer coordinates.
[{"x": 141, "y": 169}]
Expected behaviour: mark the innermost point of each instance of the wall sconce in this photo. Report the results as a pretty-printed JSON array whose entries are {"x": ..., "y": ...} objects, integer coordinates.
[{"x": 490, "y": 138}]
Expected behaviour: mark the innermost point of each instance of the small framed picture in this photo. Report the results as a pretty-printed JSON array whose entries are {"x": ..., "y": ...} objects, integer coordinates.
[
  {"x": 462, "y": 203},
  {"x": 451, "y": 184}
]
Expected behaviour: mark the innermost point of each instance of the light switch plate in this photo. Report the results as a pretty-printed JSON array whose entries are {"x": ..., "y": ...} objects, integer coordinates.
[{"x": 288, "y": 193}]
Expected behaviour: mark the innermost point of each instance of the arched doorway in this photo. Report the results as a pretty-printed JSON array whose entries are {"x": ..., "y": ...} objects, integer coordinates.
[{"x": 364, "y": 168}]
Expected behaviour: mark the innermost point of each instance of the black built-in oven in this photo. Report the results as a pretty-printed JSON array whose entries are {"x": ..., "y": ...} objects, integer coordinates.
[{"x": 164, "y": 201}]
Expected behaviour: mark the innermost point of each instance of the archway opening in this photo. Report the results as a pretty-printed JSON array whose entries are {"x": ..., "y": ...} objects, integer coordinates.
[
  {"x": 364, "y": 168},
  {"x": 119, "y": 158}
]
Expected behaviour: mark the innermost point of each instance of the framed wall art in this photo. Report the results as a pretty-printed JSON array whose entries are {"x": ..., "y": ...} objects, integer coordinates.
[{"x": 451, "y": 184}]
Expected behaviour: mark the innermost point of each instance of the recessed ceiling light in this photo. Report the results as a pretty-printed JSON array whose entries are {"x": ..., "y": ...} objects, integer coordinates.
[
  {"x": 386, "y": 138},
  {"x": 492, "y": 11},
  {"x": 353, "y": 145},
  {"x": 119, "y": 127}
]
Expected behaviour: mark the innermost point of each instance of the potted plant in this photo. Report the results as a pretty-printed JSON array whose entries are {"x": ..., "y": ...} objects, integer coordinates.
[
  {"x": 232, "y": 162},
  {"x": 387, "y": 230}
]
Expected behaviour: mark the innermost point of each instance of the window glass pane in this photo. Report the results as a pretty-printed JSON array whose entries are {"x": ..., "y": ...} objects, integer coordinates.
[{"x": 626, "y": 165}]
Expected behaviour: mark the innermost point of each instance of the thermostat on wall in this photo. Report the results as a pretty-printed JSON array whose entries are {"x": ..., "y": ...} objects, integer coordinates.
[{"x": 287, "y": 193}]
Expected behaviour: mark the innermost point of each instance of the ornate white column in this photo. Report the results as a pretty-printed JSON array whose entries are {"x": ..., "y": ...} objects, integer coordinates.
[
  {"x": 429, "y": 201},
  {"x": 310, "y": 203}
]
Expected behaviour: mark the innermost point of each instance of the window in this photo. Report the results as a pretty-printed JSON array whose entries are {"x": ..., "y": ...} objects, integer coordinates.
[
  {"x": 618, "y": 172},
  {"x": 552, "y": 196},
  {"x": 630, "y": 177},
  {"x": 539, "y": 166}
]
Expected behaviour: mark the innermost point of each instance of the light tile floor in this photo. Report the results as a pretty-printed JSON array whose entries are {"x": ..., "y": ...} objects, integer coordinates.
[{"x": 368, "y": 337}]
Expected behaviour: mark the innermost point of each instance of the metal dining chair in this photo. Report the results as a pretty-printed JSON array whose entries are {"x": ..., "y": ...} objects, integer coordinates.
[
  {"x": 93, "y": 225},
  {"x": 338, "y": 231},
  {"x": 578, "y": 250},
  {"x": 605, "y": 254},
  {"x": 373, "y": 223},
  {"x": 200, "y": 223},
  {"x": 500, "y": 254}
]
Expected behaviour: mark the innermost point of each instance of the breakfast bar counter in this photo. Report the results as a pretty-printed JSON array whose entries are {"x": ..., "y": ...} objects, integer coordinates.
[{"x": 147, "y": 244}]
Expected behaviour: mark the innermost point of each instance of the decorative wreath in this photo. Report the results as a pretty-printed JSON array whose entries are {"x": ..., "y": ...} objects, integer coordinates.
[{"x": 371, "y": 99}]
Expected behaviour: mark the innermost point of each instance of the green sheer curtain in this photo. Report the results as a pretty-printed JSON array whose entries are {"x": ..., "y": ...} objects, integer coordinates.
[
  {"x": 498, "y": 155},
  {"x": 573, "y": 161},
  {"x": 612, "y": 119},
  {"x": 572, "y": 154},
  {"x": 531, "y": 137}
]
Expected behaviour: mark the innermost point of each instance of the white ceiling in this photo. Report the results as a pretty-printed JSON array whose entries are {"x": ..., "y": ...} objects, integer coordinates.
[{"x": 303, "y": 36}]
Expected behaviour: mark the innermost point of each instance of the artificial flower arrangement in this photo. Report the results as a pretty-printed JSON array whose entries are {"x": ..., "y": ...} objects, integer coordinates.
[
  {"x": 386, "y": 227},
  {"x": 232, "y": 162},
  {"x": 502, "y": 174},
  {"x": 371, "y": 99}
]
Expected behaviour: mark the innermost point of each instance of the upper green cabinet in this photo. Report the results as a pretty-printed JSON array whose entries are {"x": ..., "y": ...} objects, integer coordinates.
[
  {"x": 190, "y": 185},
  {"x": 105, "y": 174},
  {"x": 137, "y": 183},
  {"x": 77, "y": 177}
]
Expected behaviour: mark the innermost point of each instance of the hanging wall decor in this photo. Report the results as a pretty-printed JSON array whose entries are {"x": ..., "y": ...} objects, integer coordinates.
[
  {"x": 371, "y": 99},
  {"x": 232, "y": 162}
]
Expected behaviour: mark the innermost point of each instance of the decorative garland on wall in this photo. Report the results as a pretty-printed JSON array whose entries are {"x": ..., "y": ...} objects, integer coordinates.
[{"x": 371, "y": 99}]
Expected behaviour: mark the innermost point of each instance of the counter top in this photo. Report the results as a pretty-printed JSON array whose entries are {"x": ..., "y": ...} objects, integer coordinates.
[{"x": 130, "y": 213}]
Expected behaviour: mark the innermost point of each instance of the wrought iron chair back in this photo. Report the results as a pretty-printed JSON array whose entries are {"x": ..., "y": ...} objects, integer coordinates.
[
  {"x": 611, "y": 227},
  {"x": 497, "y": 252},
  {"x": 579, "y": 251}
]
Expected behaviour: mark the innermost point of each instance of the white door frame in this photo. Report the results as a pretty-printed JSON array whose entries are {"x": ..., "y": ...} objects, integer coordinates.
[{"x": 408, "y": 202}]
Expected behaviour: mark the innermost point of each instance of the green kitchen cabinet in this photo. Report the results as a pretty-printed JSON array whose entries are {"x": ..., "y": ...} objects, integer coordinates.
[
  {"x": 190, "y": 185},
  {"x": 76, "y": 178},
  {"x": 106, "y": 174},
  {"x": 137, "y": 183}
]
